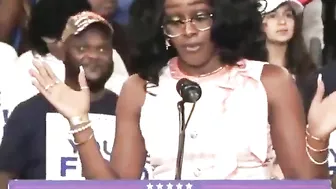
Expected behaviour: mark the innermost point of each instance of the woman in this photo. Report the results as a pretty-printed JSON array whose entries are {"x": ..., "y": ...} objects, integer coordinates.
[
  {"x": 228, "y": 136},
  {"x": 284, "y": 41},
  {"x": 282, "y": 22}
]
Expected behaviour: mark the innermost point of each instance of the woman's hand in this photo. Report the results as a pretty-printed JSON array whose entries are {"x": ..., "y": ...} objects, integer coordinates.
[
  {"x": 322, "y": 112},
  {"x": 69, "y": 102}
]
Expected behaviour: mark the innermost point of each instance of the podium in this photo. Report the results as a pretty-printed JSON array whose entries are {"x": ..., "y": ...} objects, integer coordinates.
[{"x": 152, "y": 184}]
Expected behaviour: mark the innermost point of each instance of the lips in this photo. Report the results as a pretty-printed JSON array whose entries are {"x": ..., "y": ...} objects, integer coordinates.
[
  {"x": 192, "y": 47},
  {"x": 91, "y": 67},
  {"x": 282, "y": 31}
]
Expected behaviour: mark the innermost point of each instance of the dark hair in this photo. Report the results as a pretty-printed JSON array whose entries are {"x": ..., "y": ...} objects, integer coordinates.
[
  {"x": 298, "y": 59},
  {"x": 236, "y": 31},
  {"x": 48, "y": 19},
  {"x": 122, "y": 44}
]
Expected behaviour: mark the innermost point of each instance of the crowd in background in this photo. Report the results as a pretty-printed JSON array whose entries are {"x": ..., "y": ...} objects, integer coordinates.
[{"x": 34, "y": 31}]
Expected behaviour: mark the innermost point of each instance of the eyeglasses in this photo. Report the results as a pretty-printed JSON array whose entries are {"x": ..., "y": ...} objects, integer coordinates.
[{"x": 176, "y": 27}]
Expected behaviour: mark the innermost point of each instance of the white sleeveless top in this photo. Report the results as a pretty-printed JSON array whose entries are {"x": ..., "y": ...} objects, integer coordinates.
[{"x": 228, "y": 134}]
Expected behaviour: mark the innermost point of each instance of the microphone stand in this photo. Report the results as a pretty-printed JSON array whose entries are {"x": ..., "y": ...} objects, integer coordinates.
[{"x": 180, "y": 152}]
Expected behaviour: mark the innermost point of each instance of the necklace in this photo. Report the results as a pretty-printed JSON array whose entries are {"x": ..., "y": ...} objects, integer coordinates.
[
  {"x": 211, "y": 73},
  {"x": 177, "y": 72},
  {"x": 206, "y": 74}
]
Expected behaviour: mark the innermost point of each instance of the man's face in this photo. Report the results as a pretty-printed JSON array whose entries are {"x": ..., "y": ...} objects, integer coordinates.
[{"x": 92, "y": 49}]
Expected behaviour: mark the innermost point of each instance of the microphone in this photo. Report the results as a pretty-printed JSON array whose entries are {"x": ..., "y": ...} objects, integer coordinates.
[{"x": 189, "y": 91}]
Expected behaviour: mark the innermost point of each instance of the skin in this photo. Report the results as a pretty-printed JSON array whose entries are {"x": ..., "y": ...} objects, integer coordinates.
[
  {"x": 204, "y": 60},
  {"x": 105, "y": 8},
  {"x": 286, "y": 115},
  {"x": 279, "y": 24},
  {"x": 91, "y": 49},
  {"x": 10, "y": 11}
]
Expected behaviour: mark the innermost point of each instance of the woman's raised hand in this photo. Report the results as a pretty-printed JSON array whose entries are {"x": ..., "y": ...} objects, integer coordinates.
[
  {"x": 322, "y": 112},
  {"x": 69, "y": 102}
]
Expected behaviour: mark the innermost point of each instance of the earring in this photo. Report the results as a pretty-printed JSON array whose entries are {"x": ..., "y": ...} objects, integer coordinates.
[{"x": 167, "y": 44}]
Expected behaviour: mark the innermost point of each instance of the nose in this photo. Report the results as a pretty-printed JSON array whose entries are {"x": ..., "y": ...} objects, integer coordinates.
[
  {"x": 90, "y": 55},
  {"x": 190, "y": 29},
  {"x": 282, "y": 20}
]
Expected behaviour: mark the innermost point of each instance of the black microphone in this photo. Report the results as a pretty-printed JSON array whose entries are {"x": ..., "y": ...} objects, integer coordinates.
[{"x": 189, "y": 91}]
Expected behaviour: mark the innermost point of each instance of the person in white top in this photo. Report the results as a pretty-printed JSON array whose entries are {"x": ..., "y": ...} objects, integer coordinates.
[
  {"x": 8, "y": 53},
  {"x": 8, "y": 57},
  {"x": 284, "y": 41}
]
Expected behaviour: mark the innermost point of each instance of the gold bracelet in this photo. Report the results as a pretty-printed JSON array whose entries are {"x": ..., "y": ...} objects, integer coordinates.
[
  {"x": 85, "y": 141},
  {"x": 77, "y": 120},
  {"x": 313, "y": 137},
  {"x": 314, "y": 161},
  {"x": 314, "y": 149}
]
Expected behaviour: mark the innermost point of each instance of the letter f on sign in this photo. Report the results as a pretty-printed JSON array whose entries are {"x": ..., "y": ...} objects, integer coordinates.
[{"x": 65, "y": 166}]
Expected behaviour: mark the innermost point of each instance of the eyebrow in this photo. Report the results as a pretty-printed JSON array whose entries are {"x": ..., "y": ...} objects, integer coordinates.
[
  {"x": 289, "y": 8},
  {"x": 195, "y": 2}
]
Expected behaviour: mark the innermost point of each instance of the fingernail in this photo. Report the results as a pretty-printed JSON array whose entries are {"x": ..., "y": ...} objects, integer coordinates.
[
  {"x": 81, "y": 68},
  {"x": 33, "y": 79},
  {"x": 319, "y": 78}
]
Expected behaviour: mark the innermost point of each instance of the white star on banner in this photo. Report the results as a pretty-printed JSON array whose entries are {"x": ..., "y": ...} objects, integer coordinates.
[
  {"x": 149, "y": 186},
  {"x": 189, "y": 186},
  {"x": 159, "y": 186},
  {"x": 170, "y": 186},
  {"x": 179, "y": 186}
]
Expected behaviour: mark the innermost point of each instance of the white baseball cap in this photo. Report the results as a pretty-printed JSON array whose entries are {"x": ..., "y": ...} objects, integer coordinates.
[{"x": 268, "y": 6}]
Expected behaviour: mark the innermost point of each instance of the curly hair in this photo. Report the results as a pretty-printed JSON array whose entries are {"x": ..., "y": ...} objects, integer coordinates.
[
  {"x": 236, "y": 32},
  {"x": 48, "y": 19}
]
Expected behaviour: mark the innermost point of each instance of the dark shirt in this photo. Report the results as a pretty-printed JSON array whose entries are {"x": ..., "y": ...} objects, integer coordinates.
[
  {"x": 308, "y": 87},
  {"x": 23, "y": 147}
]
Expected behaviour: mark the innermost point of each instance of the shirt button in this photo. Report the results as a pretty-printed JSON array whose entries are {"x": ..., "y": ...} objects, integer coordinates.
[
  {"x": 197, "y": 172},
  {"x": 193, "y": 135}
]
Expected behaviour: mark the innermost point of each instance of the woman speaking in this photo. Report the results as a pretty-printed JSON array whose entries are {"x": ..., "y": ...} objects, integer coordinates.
[{"x": 247, "y": 107}]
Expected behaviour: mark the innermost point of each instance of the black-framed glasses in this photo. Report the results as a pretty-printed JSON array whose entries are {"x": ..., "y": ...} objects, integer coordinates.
[{"x": 176, "y": 27}]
